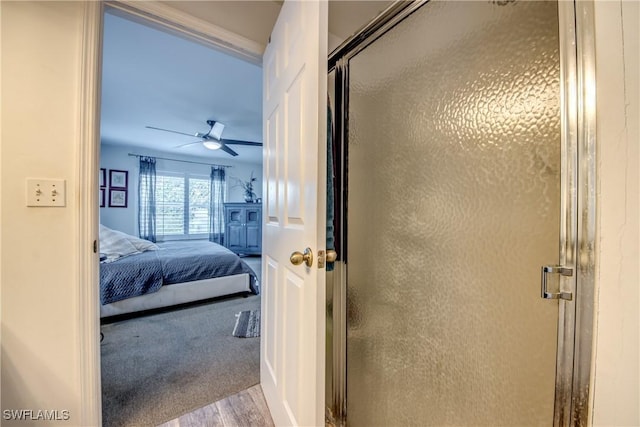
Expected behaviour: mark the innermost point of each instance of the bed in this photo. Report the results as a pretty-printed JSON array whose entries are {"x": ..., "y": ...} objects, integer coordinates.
[{"x": 137, "y": 275}]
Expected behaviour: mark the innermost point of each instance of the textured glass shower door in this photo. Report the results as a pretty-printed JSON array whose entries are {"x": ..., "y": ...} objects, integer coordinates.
[{"x": 453, "y": 206}]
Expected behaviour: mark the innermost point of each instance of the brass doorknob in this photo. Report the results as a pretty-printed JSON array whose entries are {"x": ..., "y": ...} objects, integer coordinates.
[
  {"x": 297, "y": 258},
  {"x": 331, "y": 255}
]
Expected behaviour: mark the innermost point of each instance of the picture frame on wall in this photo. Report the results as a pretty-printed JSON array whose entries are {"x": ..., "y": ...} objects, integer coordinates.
[
  {"x": 103, "y": 178},
  {"x": 102, "y": 197},
  {"x": 117, "y": 198},
  {"x": 118, "y": 179}
]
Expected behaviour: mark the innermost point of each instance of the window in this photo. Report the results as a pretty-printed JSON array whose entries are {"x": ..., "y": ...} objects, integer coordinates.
[{"x": 182, "y": 205}]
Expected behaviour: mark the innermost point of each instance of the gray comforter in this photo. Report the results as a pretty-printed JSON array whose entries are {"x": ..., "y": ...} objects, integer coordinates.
[{"x": 174, "y": 262}]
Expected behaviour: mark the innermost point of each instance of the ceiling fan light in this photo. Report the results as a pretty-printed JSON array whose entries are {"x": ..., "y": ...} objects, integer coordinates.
[{"x": 212, "y": 145}]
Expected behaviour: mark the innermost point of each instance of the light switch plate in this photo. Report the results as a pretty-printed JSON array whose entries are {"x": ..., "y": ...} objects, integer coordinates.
[{"x": 46, "y": 192}]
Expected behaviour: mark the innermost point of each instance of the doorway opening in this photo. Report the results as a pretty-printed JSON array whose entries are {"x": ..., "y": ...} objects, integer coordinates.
[{"x": 169, "y": 318}]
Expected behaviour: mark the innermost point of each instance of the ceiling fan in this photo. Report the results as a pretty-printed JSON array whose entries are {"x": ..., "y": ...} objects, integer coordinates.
[{"x": 212, "y": 139}]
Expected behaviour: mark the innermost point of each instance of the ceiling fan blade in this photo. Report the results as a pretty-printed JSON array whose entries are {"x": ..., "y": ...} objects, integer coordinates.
[
  {"x": 172, "y": 131},
  {"x": 228, "y": 150},
  {"x": 237, "y": 142},
  {"x": 188, "y": 143}
]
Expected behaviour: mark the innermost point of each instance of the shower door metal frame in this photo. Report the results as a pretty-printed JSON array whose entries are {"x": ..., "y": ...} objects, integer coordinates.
[{"x": 578, "y": 206}]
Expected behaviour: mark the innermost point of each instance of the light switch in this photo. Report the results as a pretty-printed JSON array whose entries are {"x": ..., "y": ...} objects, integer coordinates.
[{"x": 46, "y": 192}]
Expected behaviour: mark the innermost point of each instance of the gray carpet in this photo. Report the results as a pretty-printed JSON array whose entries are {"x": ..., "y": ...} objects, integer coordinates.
[{"x": 158, "y": 367}]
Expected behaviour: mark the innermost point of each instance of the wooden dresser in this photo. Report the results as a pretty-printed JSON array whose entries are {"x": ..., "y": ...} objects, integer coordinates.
[{"x": 243, "y": 228}]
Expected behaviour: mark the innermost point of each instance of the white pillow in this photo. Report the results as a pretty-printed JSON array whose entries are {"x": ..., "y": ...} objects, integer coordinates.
[
  {"x": 142, "y": 244},
  {"x": 114, "y": 244}
]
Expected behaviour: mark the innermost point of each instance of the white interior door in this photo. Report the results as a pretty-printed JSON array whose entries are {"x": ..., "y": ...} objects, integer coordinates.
[{"x": 294, "y": 117}]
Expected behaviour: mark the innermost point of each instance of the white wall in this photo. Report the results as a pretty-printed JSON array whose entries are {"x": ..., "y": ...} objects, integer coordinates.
[
  {"x": 117, "y": 157},
  {"x": 41, "y": 54},
  {"x": 123, "y": 219},
  {"x": 334, "y": 42},
  {"x": 616, "y": 395}
]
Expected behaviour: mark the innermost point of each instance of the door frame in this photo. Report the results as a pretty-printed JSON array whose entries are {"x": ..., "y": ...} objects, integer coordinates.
[
  {"x": 166, "y": 18},
  {"x": 573, "y": 398}
]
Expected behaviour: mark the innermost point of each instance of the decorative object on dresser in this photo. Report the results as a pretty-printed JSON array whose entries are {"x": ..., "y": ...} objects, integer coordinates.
[
  {"x": 243, "y": 228},
  {"x": 247, "y": 186}
]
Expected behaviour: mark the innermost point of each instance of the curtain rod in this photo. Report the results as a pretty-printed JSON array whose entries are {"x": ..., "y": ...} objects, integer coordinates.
[{"x": 184, "y": 161}]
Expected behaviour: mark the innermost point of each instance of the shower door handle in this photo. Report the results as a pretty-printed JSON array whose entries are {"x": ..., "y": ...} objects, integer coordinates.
[{"x": 557, "y": 269}]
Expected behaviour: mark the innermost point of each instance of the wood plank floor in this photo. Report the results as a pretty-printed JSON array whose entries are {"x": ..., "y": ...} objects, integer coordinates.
[{"x": 247, "y": 409}]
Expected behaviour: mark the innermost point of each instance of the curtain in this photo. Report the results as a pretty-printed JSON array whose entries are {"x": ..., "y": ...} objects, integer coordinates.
[
  {"x": 216, "y": 205},
  {"x": 147, "y": 198}
]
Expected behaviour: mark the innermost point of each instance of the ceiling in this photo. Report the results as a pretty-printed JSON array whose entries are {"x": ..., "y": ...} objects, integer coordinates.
[{"x": 154, "y": 78}]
